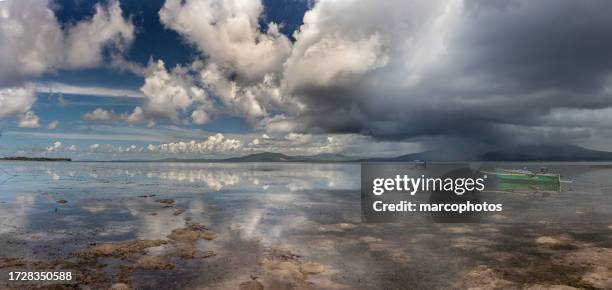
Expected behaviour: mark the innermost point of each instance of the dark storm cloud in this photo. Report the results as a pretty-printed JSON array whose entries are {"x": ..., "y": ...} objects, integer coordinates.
[
  {"x": 539, "y": 44},
  {"x": 503, "y": 64}
]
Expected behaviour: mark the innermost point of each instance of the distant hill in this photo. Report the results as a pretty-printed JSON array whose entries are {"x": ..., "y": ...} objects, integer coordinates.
[
  {"x": 562, "y": 152},
  {"x": 262, "y": 157},
  {"x": 426, "y": 155},
  {"x": 330, "y": 157},
  {"x": 279, "y": 157}
]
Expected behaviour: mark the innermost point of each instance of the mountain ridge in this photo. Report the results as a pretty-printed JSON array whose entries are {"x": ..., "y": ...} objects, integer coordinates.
[{"x": 556, "y": 152}]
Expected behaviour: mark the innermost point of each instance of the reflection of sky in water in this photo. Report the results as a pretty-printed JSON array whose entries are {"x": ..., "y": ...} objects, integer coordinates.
[
  {"x": 105, "y": 196},
  {"x": 259, "y": 199},
  {"x": 212, "y": 176}
]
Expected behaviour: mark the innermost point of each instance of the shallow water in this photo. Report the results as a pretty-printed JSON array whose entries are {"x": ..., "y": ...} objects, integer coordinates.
[{"x": 294, "y": 213}]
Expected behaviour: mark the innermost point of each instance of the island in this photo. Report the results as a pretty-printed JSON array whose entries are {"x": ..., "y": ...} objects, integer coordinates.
[{"x": 23, "y": 158}]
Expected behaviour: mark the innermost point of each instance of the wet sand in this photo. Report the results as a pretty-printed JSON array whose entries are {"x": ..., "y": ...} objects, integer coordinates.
[{"x": 286, "y": 226}]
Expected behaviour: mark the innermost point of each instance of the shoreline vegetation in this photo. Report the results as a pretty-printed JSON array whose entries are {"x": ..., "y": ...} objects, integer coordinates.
[{"x": 22, "y": 158}]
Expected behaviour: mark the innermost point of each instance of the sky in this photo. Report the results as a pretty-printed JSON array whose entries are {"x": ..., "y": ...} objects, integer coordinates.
[{"x": 125, "y": 79}]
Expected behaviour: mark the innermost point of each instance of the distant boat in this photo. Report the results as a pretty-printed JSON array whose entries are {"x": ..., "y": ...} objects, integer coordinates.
[
  {"x": 524, "y": 175},
  {"x": 420, "y": 163}
]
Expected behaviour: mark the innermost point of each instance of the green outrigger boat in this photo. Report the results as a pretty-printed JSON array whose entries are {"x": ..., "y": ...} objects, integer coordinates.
[{"x": 523, "y": 175}]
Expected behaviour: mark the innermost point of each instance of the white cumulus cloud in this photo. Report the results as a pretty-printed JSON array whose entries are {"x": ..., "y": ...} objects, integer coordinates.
[
  {"x": 214, "y": 144},
  {"x": 28, "y": 120},
  {"x": 102, "y": 115},
  {"x": 58, "y": 147},
  {"x": 53, "y": 125},
  {"x": 33, "y": 42},
  {"x": 16, "y": 100},
  {"x": 228, "y": 32},
  {"x": 170, "y": 92},
  {"x": 106, "y": 29}
]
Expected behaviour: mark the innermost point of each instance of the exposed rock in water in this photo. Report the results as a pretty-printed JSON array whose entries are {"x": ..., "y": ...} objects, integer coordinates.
[
  {"x": 189, "y": 235},
  {"x": 598, "y": 261},
  {"x": 179, "y": 211},
  {"x": 154, "y": 263},
  {"x": 166, "y": 201},
  {"x": 184, "y": 235},
  {"x": 312, "y": 268},
  {"x": 283, "y": 270},
  {"x": 119, "y": 286},
  {"x": 205, "y": 254},
  {"x": 192, "y": 233},
  {"x": 123, "y": 249},
  {"x": 548, "y": 240},
  {"x": 369, "y": 239},
  {"x": 283, "y": 274},
  {"x": 12, "y": 262},
  {"x": 550, "y": 287},
  {"x": 250, "y": 285},
  {"x": 208, "y": 235},
  {"x": 483, "y": 277},
  {"x": 457, "y": 230},
  {"x": 340, "y": 227}
]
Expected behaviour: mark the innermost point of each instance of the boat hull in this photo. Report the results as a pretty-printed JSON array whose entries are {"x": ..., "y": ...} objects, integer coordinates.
[
  {"x": 528, "y": 186},
  {"x": 528, "y": 178}
]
